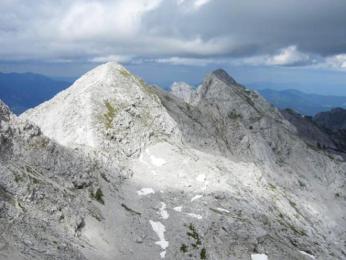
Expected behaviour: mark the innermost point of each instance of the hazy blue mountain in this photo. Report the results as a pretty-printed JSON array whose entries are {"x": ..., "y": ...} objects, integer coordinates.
[
  {"x": 304, "y": 103},
  {"x": 26, "y": 90}
]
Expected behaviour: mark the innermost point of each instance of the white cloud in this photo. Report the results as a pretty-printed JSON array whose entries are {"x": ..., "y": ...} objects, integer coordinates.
[
  {"x": 185, "y": 61},
  {"x": 114, "y": 20},
  {"x": 200, "y": 3},
  {"x": 336, "y": 62},
  {"x": 116, "y": 58},
  {"x": 192, "y": 5},
  {"x": 288, "y": 56},
  {"x": 190, "y": 32}
]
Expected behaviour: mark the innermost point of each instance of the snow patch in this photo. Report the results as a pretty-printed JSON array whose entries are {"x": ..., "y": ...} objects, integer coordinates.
[
  {"x": 163, "y": 254},
  {"x": 163, "y": 212},
  {"x": 185, "y": 161},
  {"x": 178, "y": 209},
  {"x": 201, "y": 178},
  {"x": 307, "y": 254},
  {"x": 259, "y": 257},
  {"x": 141, "y": 159},
  {"x": 160, "y": 230},
  {"x": 145, "y": 191},
  {"x": 223, "y": 210},
  {"x": 157, "y": 161},
  {"x": 196, "y": 197},
  {"x": 195, "y": 216}
]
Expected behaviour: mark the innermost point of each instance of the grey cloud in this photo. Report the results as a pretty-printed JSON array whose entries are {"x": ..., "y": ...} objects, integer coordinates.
[
  {"x": 172, "y": 30},
  {"x": 261, "y": 26}
]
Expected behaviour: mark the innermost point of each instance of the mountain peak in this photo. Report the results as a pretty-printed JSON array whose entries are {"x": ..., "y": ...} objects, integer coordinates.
[
  {"x": 106, "y": 107},
  {"x": 112, "y": 64},
  {"x": 184, "y": 91},
  {"x": 106, "y": 70},
  {"x": 5, "y": 112},
  {"x": 224, "y": 76}
]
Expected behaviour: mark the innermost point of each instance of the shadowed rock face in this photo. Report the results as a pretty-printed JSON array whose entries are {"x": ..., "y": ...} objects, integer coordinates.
[
  {"x": 223, "y": 75},
  {"x": 334, "y": 124},
  {"x": 129, "y": 171},
  {"x": 334, "y": 119},
  {"x": 309, "y": 130},
  {"x": 323, "y": 131}
]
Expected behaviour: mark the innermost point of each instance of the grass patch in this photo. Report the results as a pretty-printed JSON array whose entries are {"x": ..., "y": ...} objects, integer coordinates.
[
  {"x": 184, "y": 248},
  {"x": 110, "y": 114},
  {"x": 233, "y": 115},
  {"x": 125, "y": 73},
  {"x": 196, "y": 244},
  {"x": 193, "y": 234},
  {"x": 18, "y": 178},
  {"x": 301, "y": 184},
  {"x": 293, "y": 204},
  {"x": 203, "y": 253},
  {"x": 272, "y": 187},
  {"x": 98, "y": 196}
]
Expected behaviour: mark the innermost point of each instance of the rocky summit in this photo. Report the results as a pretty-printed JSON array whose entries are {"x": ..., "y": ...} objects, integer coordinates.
[{"x": 114, "y": 168}]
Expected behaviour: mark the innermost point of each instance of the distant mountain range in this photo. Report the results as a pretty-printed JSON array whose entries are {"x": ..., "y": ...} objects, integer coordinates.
[
  {"x": 304, "y": 103},
  {"x": 26, "y": 90},
  {"x": 22, "y": 91}
]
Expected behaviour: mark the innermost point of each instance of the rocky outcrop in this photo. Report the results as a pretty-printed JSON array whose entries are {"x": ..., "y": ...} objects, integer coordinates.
[
  {"x": 334, "y": 119},
  {"x": 184, "y": 91},
  {"x": 333, "y": 123},
  {"x": 324, "y": 131},
  {"x": 45, "y": 193},
  {"x": 309, "y": 131},
  {"x": 143, "y": 174},
  {"x": 4, "y": 112}
]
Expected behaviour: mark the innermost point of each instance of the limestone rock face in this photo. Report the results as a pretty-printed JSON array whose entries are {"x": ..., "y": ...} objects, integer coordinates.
[
  {"x": 4, "y": 112},
  {"x": 323, "y": 131},
  {"x": 118, "y": 169},
  {"x": 184, "y": 91},
  {"x": 45, "y": 193},
  {"x": 107, "y": 109},
  {"x": 309, "y": 130}
]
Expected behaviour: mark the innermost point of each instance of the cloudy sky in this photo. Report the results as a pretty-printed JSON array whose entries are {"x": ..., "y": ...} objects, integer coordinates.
[{"x": 286, "y": 43}]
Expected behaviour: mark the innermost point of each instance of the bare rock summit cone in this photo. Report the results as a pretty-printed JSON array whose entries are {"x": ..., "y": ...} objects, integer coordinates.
[{"x": 106, "y": 108}]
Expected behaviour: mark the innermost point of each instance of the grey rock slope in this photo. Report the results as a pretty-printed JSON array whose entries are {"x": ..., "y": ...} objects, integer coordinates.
[
  {"x": 333, "y": 122},
  {"x": 183, "y": 91},
  {"x": 309, "y": 130},
  {"x": 223, "y": 177},
  {"x": 46, "y": 192},
  {"x": 324, "y": 131}
]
